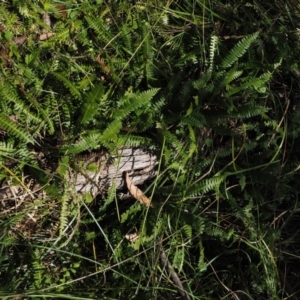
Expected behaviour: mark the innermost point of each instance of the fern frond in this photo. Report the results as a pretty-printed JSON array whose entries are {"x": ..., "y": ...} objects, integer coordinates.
[
  {"x": 134, "y": 140},
  {"x": 185, "y": 93},
  {"x": 158, "y": 103},
  {"x": 224, "y": 152},
  {"x": 171, "y": 139},
  {"x": 91, "y": 141},
  {"x": 45, "y": 114},
  {"x": 82, "y": 37},
  {"x": 127, "y": 38},
  {"x": 6, "y": 148},
  {"x": 228, "y": 77},
  {"x": 100, "y": 28},
  {"x": 7, "y": 92},
  {"x": 111, "y": 132},
  {"x": 52, "y": 112},
  {"x": 91, "y": 104},
  {"x": 238, "y": 50},
  {"x": 25, "y": 156},
  {"x": 68, "y": 84},
  {"x": 38, "y": 269},
  {"x": 255, "y": 83},
  {"x": 243, "y": 112},
  {"x": 188, "y": 231},
  {"x": 212, "y": 49},
  {"x": 133, "y": 102},
  {"x": 131, "y": 212},
  {"x": 201, "y": 83},
  {"x": 64, "y": 214},
  {"x": 195, "y": 119},
  {"x": 211, "y": 184},
  {"x": 15, "y": 129},
  {"x": 215, "y": 231},
  {"x": 248, "y": 111}
]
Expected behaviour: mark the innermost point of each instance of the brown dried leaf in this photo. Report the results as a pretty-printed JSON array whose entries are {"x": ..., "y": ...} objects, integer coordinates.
[
  {"x": 46, "y": 35},
  {"x": 20, "y": 40},
  {"x": 136, "y": 192},
  {"x": 102, "y": 64},
  {"x": 62, "y": 10}
]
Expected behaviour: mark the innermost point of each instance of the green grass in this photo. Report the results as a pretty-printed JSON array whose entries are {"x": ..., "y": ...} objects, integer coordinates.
[{"x": 212, "y": 88}]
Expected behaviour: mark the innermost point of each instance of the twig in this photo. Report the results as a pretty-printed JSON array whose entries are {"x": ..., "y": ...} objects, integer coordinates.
[{"x": 173, "y": 274}]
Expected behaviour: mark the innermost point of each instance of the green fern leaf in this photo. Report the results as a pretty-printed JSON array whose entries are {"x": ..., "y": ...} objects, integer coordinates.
[
  {"x": 89, "y": 142},
  {"x": 212, "y": 49},
  {"x": 44, "y": 113},
  {"x": 15, "y": 129},
  {"x": 7, "y": 92},
  {"x": 204, "y": 187},
  {"x": 238, "y": 50},
  {"x": 248, "y": 111},
  {"x": 134, "y": 140},
  {"x": 195, "y": 119},
  {"x": 100, "y": 28},
  {"x": 6, "y": 148},
  {"x": 68, "y": 84},
  {"x": 38, "y": 269},
  {"x": 64, "y": 214},
  {"x": 131, "y": 212},
  {"x": 255, "y": 83},
  {"x": 111, "y": 132},
  {"x": 126, "y": 36},
  {"x": 132, "y": 102},
  {"x": 91, "y": 105}
]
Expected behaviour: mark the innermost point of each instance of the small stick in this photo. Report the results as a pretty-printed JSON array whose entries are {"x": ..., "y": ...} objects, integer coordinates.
[{"x": 173, "y": 274}]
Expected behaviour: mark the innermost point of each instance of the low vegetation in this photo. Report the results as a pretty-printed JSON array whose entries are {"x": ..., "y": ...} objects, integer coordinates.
[{"x": 211, "y": 88}]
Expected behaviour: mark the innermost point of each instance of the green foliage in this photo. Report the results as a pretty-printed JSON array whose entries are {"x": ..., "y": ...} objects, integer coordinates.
[
  {"x": 237, "y": 51},
  {"x": 213, "y": 87},
  {"x": 90, "y": 107}
]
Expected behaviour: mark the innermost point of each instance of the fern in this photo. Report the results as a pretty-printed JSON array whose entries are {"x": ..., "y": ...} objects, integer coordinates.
[
  {"x": 111, "y": 196},
  {"x": 130, "y": 212},
  {"x": 211, "y": 184},
  {"x": 6, "y": 148},
  {"x": 238, "y": 50},
  {"x": 201, "y": 83},
  {"x": 127, "y": 38},
  {"x": 44, "y": 113},
  {"x": 255, "y": 83},
  {"x": 134, "y": 140},
  {"x": 68, "y": 84},
  {"x": 132, "y": 102},
  {"x": 93, "y": 100},
  {"x": 218, "y": 232},
  {"x": 195, "y": 119},
  {"x": 111, "y": 132},
  {"x": 147, "y": 52},
  {"x": 100, "y": 28},
  {"x": 248, "y": 111},
  {"x": 8, "y": 94},
  {"x": 188, "y": 231},
  {"x": 212, "y": 49},
  {"x": 64, "y": 213},
  {"x": 91, "y": 141},
  {"x": 15, "y": 129},
  {"x": 38, "y": 269}
]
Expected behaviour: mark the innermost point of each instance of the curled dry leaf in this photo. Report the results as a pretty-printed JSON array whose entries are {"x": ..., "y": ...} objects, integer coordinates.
[
  {"x": 46, "y": 35},
  {"x": 136, "y": 192},
  {"x": 19, "y": 40}
]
